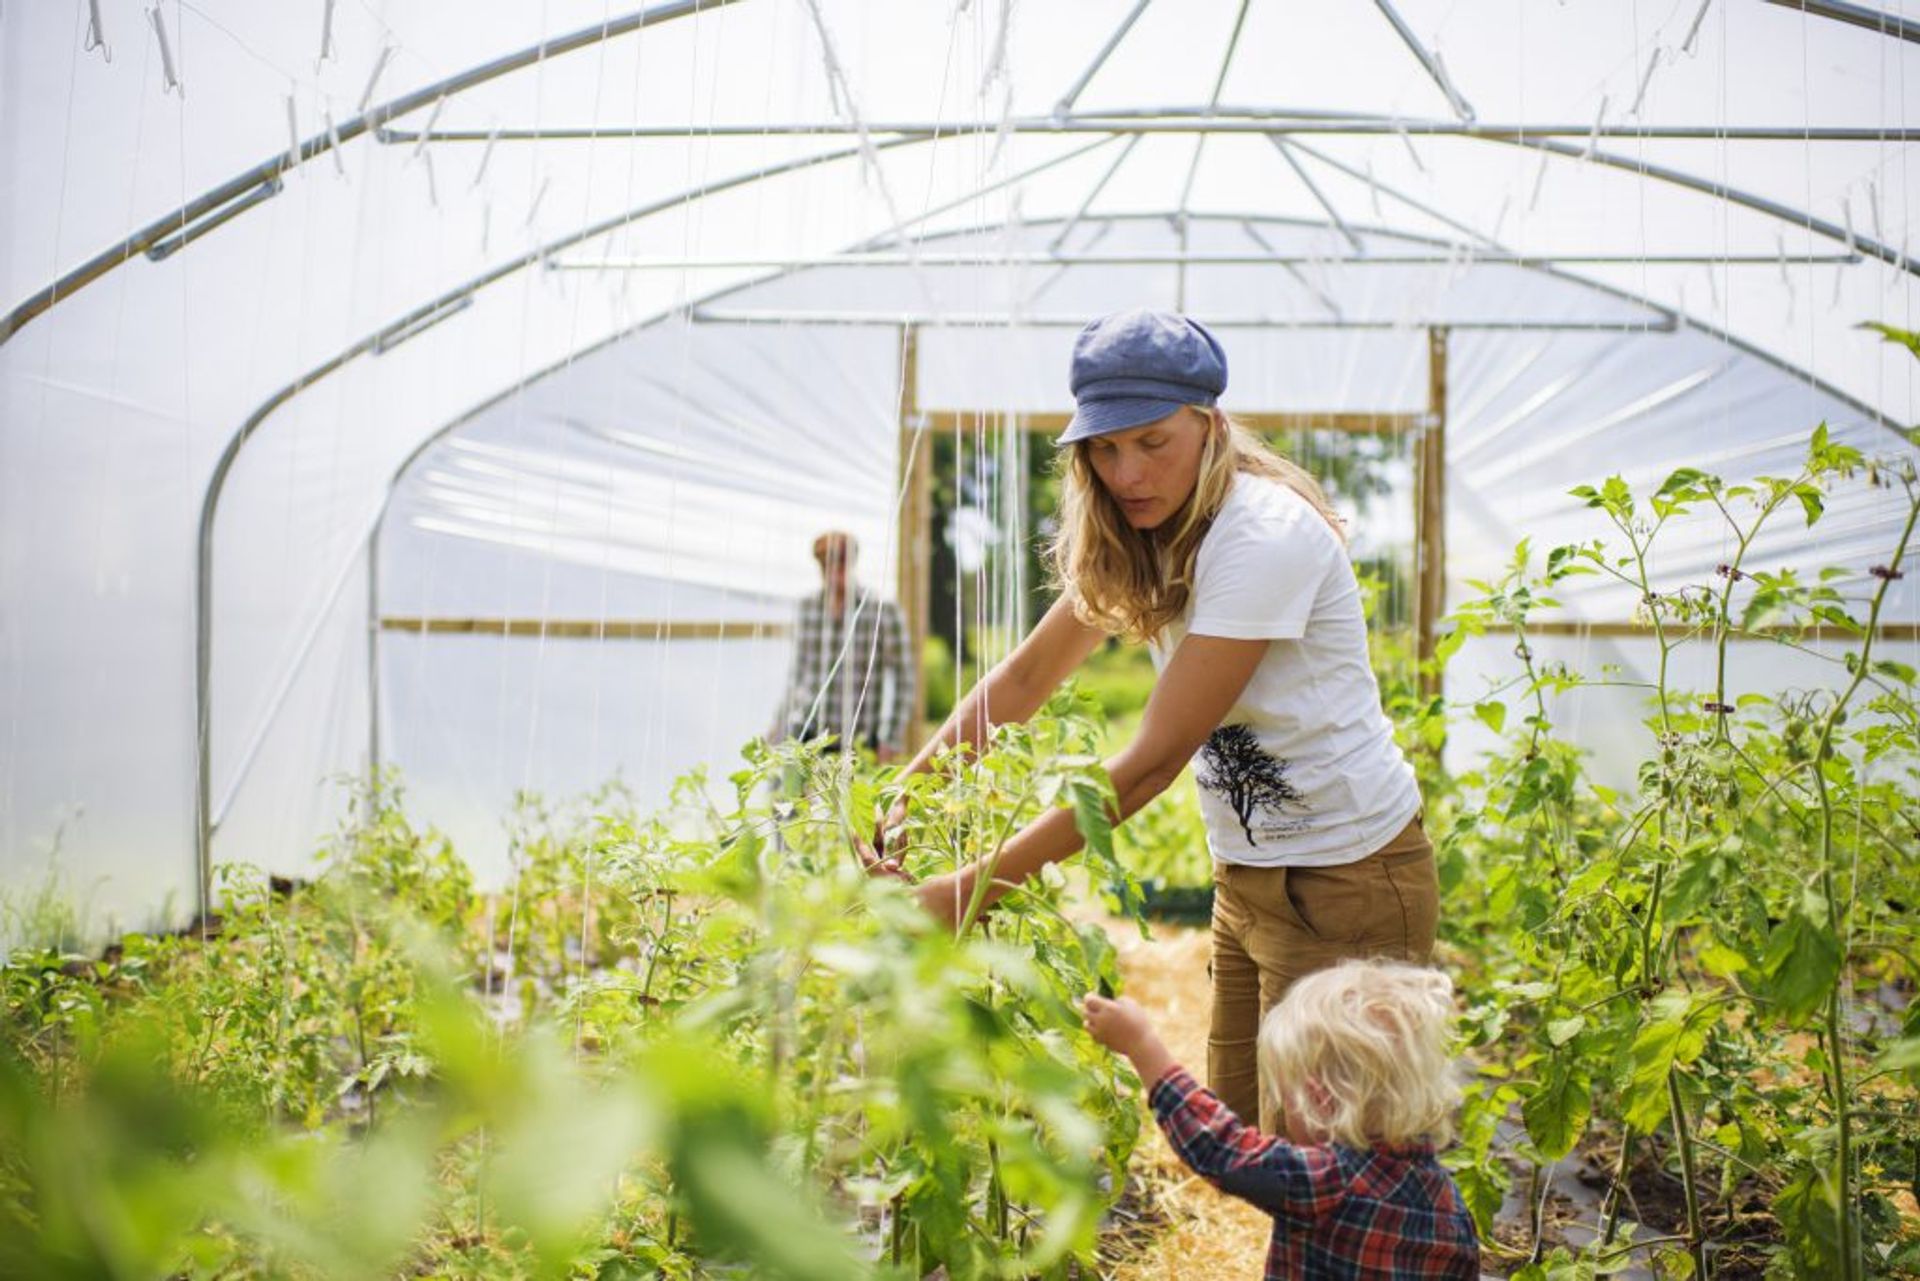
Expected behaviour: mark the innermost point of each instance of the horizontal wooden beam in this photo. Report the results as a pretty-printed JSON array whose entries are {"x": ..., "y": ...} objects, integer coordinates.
[
  {"x": 949, "y": 421},
  {"x": 1614, "y": 630},
  {"x": 636, "y": 629}
]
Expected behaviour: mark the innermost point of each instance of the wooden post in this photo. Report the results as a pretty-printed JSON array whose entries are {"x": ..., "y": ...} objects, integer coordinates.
[
  {"x": 1430, "y": 528},
  {"x": 913, "y": 555}
]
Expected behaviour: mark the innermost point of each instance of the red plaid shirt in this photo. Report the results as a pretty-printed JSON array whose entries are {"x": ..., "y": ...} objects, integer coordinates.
[{"x": 1338, "y": 1212}]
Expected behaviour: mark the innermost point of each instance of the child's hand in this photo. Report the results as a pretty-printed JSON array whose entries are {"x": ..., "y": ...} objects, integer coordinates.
[
  {"x": 1123, "y": 1027},
  {"x": 1118, "y": 1023}
]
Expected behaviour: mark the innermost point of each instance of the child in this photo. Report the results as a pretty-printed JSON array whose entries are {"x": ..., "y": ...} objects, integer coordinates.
[{"x": 1355, "y": 1057}]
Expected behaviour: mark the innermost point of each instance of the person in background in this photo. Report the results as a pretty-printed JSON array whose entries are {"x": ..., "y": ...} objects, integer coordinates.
[
  {"x": 852, "y": 676},
  {"x": 1356, "y": 1059}
]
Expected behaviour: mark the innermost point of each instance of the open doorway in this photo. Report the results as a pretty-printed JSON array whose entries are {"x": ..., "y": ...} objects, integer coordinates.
[{"x": 991, "y": 495}]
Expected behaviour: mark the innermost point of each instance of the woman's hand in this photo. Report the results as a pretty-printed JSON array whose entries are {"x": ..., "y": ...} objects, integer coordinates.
[
  {"x": 882, "y": 857},
  {"x": 877, "y": 862},
  {"x": 891, "y": 827}
]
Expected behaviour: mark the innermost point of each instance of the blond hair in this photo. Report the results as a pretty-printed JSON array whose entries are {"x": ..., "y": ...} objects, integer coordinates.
[
  {"x": 1358, "y": 1053},
  {"x": 1131, "y": 582}
]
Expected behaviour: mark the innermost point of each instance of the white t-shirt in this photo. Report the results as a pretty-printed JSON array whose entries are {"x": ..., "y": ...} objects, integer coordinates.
[{"x": 1303, "y": 771}]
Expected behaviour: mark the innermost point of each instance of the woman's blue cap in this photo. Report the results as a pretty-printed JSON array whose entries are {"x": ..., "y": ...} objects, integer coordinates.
[{"x": 1134, "y": 367}]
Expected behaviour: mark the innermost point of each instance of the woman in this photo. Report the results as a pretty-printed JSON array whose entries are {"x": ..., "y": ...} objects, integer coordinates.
[{"x": 1180, "y": 529}]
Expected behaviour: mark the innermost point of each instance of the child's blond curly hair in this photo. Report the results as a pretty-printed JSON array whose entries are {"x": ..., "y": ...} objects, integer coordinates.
[{"x": 1372, "y": 1035}]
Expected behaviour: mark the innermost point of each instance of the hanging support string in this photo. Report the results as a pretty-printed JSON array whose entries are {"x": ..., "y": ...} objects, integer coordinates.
[
  {"x": 327, "y": 51},
  {"x": 1079, "y": 214},
  {"x": 97, "y": 33},
  {"x": 293, "y": 135},
  {"x": 169, "y": 72},
  {"x": 1406, "y": 140},
  {"x": 1646, "y": 79},
  {"x": 1539, "y": 182},
  {"x": 1320, "y": 295},
  {"x": 486, "y": 154},
  {"x": 433, "y": 118},
  {"x": 373, "y": 78},
  {"x": 333, "y": 144},
  {"x": 1431, "y": 61},
  {"x": 1693, "y": 30},
  {"x": 1299, "y": 170}
]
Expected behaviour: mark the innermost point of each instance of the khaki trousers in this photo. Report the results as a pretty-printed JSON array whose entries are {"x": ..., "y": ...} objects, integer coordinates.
[{"x": 1273, "y": 925}]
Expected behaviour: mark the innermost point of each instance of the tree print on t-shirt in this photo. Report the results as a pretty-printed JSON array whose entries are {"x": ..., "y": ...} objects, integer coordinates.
[{"x": 1234, "y": 768}]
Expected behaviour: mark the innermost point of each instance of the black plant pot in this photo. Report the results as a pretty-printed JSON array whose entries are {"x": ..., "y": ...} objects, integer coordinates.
[{"x": 1177, "y": 904}]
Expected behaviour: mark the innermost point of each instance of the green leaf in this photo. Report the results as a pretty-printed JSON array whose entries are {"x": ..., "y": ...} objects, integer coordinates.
[
  {"x": 1682, "y": 478},
  {"x": 1092, "y": 817},
  {"x": 1671, "y": 1264},
  {"x": 1808, "y": 1211},
  {"x": 1718, "y": 959},
  {"x": 1493, "y": 715},
  {"x": 1802, "y": 959},
  {"x": 1901, "y": 337},
  {"x": 1484, "y": 1189},
  {"x": 1810, "y": 501},
  {"x": 1898, "y": 671},
  {"x": 1676, "y": 1036},
  {"x": 1834, "y": 616},
  {"x": 1560, "y": 1031},
  {"x": 1902, "y": 1056},
  {"x": 1556, "y": 1112}
]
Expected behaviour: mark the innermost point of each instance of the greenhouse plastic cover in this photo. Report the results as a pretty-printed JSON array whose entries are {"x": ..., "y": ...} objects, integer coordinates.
[{"x": 510, "y": 375}]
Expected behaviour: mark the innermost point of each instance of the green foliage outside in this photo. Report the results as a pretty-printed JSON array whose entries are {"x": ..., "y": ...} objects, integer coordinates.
[{"x": 703, "y": 1038}]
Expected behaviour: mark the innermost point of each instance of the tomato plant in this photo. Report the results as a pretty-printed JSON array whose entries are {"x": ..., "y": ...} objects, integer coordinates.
[{"x": 1690, "y": 967}]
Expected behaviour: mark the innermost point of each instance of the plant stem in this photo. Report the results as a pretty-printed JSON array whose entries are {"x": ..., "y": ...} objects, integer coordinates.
[
  {"x": 1696, "y": 1238},
  {"x": 1609, "y": 1209},
  {"x": 1842, "y": 1104},
  {"x": 977, "y": 900}
]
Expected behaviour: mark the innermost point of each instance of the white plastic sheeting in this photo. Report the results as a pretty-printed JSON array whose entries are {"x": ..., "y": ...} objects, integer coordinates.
[{"x": 683, "y": 467}]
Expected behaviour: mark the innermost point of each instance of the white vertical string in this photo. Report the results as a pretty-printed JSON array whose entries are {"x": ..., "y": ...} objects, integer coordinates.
[{"x": 373, "y": 78}]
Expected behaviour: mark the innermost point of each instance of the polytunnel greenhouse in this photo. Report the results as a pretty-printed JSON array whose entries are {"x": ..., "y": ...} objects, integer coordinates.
[{"x": 422, "y": 427}]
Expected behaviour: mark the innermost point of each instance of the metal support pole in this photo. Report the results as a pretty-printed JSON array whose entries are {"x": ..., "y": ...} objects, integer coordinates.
[
  {"x": 267, "y": 171},
  {"x": 1333, "y": 214},
  {"x": 373, "y": 661},
  {"x": 1001, "y": 320},
  {"x": 1072, "y": 95},
  {"x": 913, "y": 555},
  {"x": 1429, "y": 61},
  {"x": 1170, "y": 120},
  {"x": 1430, "y": 528},
  {"x": 1463, "y": 254},
  {"x": 1859, "y": 15}
]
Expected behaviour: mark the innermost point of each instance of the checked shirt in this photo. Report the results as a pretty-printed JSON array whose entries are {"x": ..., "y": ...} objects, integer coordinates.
[
  {"x": 1338, "y": 1212},
  {"x": 850, "y": 675}
]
